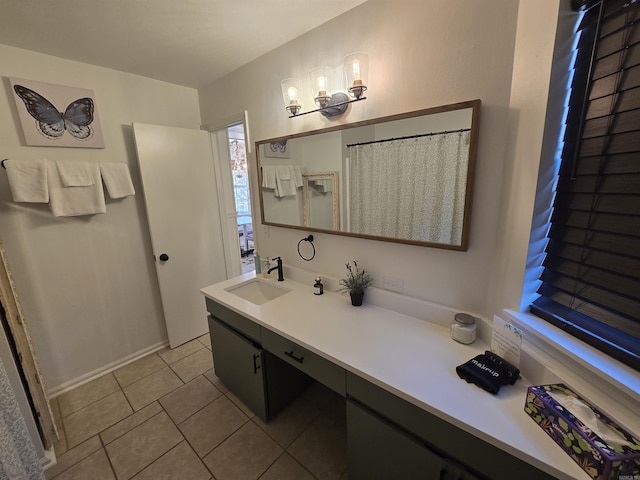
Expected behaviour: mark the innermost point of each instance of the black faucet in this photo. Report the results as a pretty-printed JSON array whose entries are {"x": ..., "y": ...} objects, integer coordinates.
[{"x": 279, "y": 268}]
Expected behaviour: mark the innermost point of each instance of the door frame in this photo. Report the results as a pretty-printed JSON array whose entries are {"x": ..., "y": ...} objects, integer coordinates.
[{"x": 226, "y": 199}]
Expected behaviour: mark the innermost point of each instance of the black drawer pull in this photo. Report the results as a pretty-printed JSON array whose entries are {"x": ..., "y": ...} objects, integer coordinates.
[{"x": 291, "y": 355}]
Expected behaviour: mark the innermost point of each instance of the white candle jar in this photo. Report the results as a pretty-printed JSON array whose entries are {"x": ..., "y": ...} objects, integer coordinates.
[{"x": 463, "y": 328}]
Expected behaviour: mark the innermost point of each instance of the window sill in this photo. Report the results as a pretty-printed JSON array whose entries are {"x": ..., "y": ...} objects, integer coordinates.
[{"x": 611, "y": 386}]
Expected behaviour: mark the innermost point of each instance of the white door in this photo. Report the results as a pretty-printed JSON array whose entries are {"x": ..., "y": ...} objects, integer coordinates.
[{"x": 178, "y": 179}]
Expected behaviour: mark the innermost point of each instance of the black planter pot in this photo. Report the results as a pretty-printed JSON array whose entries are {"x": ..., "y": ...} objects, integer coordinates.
[{"x": 356, "y": 298}]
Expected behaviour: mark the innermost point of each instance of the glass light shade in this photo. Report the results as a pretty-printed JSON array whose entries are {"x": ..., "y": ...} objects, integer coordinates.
[
  {"x": 322, "y": 84},
  {"x": 291, "y": 93},
  {"x": 356, "y": 69}
]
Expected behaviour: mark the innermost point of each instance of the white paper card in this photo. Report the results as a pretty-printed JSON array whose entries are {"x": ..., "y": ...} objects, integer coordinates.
[{"x": 506, "y": 341}]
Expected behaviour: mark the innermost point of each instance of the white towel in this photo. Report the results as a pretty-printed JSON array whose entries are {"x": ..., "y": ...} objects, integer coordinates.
[
  {"x": 74, "y": 201},
  {"x": 76, "y": 174},
  {"x": 284, "y": 172},
  {"x": 297, "y": 176},
  {"x": 269, "y": 177},
  {"x": 117, "y": 179},
  {"x": 28, "y": 180},
  {"x": 285, "y": 182}
]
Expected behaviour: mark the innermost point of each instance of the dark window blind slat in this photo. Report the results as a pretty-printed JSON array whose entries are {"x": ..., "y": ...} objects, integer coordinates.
[
  {"x": 614, "y": 203},
  {"x": 626, "y": 58},
  {"x": 584, "y": 296},
  {"x": 615, "y": 82},
  {"x": 627, "y": 100},
  {"x": 624, "y": 245},
  {"x": 620, "y": 224},
  {"x": 609, "y": 164},
  {"x": 602, "y": 184},
  {"x": 570, "y": 260},
  {"x": 613, "y": 124}
]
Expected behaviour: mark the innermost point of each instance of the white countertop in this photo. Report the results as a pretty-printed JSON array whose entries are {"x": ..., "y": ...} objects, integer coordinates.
[{"x": 409, "y": 357}]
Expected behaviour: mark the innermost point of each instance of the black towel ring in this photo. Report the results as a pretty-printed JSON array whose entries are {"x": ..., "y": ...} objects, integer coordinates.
[
  {"x": 2, "y": 163},
  {"x": 310, "y": 240}
]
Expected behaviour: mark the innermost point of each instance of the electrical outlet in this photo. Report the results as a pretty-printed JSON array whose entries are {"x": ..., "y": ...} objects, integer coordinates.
[{"x": 394, "y": 284}]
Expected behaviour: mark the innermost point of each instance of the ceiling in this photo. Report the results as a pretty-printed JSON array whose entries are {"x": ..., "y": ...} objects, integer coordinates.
[{"x": 186, "y": 42}]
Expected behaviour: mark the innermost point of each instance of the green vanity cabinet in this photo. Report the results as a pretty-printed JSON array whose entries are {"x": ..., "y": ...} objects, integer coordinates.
[
  {"x": 379, "y": 450},
  {"x": 262, "y": 381},
  {"x": 426, "y": 441},
  {"x": 239, "y": 364}
]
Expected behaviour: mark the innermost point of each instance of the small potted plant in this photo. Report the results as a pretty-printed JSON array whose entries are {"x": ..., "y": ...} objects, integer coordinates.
[{"x": 355, "y": 283}]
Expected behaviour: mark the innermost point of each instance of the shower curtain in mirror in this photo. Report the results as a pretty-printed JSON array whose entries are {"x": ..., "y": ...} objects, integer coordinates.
[{"x": 410, "y": 188}]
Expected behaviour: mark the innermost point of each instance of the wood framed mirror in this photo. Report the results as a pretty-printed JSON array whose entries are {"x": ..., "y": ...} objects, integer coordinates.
[{"x": 406, "y": 178}]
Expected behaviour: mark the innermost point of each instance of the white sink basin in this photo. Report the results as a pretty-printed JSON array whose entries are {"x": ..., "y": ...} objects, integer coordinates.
[{"x": 257, "y": 291}]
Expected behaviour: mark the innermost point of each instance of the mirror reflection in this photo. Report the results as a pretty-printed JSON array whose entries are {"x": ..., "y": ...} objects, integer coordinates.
[
  {"x": 406, "y": 178},
  {"x": 320, "y": 200}
]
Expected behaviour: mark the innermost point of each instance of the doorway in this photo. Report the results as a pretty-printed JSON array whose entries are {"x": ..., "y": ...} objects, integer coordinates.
[{"x": 241, "y": 194}]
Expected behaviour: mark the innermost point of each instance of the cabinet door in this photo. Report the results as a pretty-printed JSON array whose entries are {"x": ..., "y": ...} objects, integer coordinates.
[
  {"x": 239, "y": 364},
  {"x": 379, "y": 450}
]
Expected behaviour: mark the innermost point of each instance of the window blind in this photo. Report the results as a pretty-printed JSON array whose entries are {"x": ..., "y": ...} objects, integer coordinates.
[{"x": 591, "y": 278}]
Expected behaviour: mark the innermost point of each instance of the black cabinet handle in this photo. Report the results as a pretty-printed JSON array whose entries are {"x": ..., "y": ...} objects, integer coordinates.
[
  {"x": 256, "y": 367},
  {"x": 292, "y": 356},
  {"x": 164, "y": 257}
]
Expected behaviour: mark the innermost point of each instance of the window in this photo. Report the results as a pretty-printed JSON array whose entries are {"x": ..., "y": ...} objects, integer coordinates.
[{"x": 591, "y": 278}]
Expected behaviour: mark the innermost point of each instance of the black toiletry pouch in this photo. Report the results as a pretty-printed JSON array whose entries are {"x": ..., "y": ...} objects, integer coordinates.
[{"x": 489, "y": 371}]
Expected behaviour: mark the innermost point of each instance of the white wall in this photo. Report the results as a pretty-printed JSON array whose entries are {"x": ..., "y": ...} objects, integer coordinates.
[
  {"x": 87, "y": 284},
  {"x": 423, "y": 53}
]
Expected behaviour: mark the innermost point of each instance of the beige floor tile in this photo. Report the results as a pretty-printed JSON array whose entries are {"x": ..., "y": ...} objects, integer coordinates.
[
  {"x": 286, "y": 468},
  {"x": 129, "y": 423},
  {"x": 66, "y": 460},
  {"x": 151, "y": 388},
  {"x": 209, "y": 427},
  {"x": 322, "y": 448},
  {"x": 211, "y": 376},
  {"x": 205, "y": 340},
  {"x": 95, "y": 467},
  {"x": 191, "y": 366},
  {"x": 86, "y": 394},
  {"x": 290, "y": 422},
  {"x": 141, "y": 446},
  {"x": 91, "y": 420},
  {"x": 240, "y": 404},
  {"x": 139, "y": 369},
  {"x": 178, "y": 463},
  {"x": 188, "y": 399},
  {"x": 172, "y": 355},
  {"x": 245, "y": 455}
]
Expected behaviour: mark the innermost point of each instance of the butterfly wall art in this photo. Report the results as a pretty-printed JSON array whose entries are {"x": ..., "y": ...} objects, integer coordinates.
[
  {"x": 277, "y": 149},
  {"x": 56, "y": 115}
]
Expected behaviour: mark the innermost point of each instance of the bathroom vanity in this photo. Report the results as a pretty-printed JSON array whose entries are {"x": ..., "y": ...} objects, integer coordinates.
[{"x": 408, "y": 414}]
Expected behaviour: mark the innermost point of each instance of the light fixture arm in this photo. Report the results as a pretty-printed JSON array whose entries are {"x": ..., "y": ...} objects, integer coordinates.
[{"x": 336, "y": 106}]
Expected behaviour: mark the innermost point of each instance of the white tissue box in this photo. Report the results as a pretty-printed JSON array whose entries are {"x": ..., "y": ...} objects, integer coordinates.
[{"x": 601, "y": 460}]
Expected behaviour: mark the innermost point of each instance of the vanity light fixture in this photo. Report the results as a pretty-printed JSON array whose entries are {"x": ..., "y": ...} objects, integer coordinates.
[{"x": 356, "y": 68}]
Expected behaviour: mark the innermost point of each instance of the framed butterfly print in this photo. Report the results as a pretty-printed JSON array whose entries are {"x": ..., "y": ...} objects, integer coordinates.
[
  {"x": 56, "y": 115},
  {"x": 278, "y": 149}
]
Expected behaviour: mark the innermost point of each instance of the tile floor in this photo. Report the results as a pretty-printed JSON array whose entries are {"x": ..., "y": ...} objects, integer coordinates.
[{"x": 167, "y": 416}]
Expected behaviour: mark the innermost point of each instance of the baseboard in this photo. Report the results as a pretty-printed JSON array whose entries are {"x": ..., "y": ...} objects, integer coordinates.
[{"x": 86, "y": 378}]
